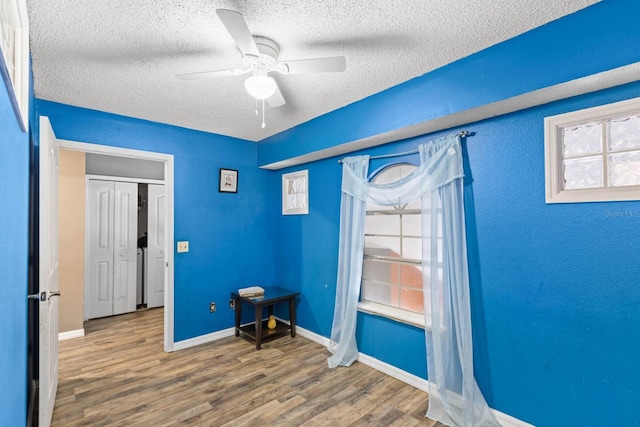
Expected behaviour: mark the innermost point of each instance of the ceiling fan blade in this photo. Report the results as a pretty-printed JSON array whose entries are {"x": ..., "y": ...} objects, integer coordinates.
[
  {"x": 236, "y": 26},
  {"x": 276, "y": 100},
  {"x": 317, "y": 65},
  {"x": 210, "y": 74}
]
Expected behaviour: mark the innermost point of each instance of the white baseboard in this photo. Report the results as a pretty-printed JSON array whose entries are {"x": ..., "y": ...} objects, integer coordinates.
[
  {"x": 68, "y": 335},
  {"x": 404, "y": 376},
  {"x": 319, "y": 339},
  {"x": 203, "y": 339}
]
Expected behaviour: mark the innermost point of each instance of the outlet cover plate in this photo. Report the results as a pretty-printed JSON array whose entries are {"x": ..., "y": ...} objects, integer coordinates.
[{"x": 183, "y": 246}]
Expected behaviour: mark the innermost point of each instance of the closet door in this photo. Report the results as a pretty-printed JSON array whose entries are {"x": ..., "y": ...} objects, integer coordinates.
[
  {"x": 125, "y": 246},
  {"x": 155, "y": 262},
  {"x": 99, "y": 277},
  {"x": 110, "y": 284}
]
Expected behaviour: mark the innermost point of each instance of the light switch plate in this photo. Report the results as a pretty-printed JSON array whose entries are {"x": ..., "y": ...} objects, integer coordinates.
[{"x": 183, "y": 247}]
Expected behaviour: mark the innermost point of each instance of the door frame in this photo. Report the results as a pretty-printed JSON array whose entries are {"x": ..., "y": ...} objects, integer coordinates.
[{"x": 167, "y": 159}]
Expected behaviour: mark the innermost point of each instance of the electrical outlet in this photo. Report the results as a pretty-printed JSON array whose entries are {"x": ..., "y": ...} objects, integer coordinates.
[
  {"x": 232, "y": 304},
  {"x": 183, "y": 247},
  {"x": 212, "y": 307}
]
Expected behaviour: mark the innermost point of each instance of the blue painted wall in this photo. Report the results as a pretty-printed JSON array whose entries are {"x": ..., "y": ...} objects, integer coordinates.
[
  {"x": 596, "y": 39},
  {"x": 231, "y": 244},
  {"x": 555, "y": 288},
  {"x": 14, "y": 215}
]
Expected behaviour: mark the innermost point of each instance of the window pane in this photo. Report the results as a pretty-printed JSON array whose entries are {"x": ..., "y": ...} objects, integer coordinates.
[
  {"x": 583, "y": 173},
  {"x": 410, "y": 276},
  {"x": 375, "y": 207},
  {"x": 377, "y": 292},
  {"x": 624, "y": 133},
  {"x": 624, "y": 169},
  {"x": 301, "y": 200},
  {"x": 415, "y": 204},
  {"x": 383, "y": 246},
  {"x": 411, "y": 299},
  {"x": 381, "y": 271},
  {"x": 300, "y": 185},
  {"x": 411, "y": 225},
  {"x": 581, "y": 140},
  {"x": 412, "y": 248},
  {"x": 382, "y": 224},
  {"x": 387, "y": 176},
  {"x": 292, "y": 201}
]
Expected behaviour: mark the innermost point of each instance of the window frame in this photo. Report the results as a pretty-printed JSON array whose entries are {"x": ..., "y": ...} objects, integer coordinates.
[
  {"x": 379, "y": 309},
  {"x": 553, "y": 144},
  {"x": 285, "y": 192}
]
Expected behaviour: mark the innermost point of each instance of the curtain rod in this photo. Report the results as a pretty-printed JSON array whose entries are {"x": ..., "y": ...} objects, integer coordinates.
[{"x": 463, "y": 134}]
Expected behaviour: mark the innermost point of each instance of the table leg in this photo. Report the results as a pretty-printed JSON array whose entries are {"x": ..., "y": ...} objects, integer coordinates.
[
  {"x": 292, "y": 316},
  {"x": 258, "y": 327},
  {"x": 238, "y": 307}
]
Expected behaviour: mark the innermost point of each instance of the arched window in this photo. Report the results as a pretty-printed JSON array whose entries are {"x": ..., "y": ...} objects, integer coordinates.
[{"x": 392, "y": 266}]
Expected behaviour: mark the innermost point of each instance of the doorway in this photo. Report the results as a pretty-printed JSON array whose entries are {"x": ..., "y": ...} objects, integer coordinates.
[{"x": 123, "y": 156}]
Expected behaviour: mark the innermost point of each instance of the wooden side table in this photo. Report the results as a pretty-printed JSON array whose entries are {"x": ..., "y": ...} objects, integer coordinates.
[{"x": 258, "y": 330}]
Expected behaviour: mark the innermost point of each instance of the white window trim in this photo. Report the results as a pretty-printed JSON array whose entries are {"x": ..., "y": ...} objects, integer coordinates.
[
  {"x": 397, "y": 314},
  {"x": 553, "y": 126},
  {"x": 293, "y": 175}
]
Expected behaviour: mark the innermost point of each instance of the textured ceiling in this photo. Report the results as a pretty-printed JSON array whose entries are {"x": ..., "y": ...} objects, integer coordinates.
[{"x": 122, "y": 56}]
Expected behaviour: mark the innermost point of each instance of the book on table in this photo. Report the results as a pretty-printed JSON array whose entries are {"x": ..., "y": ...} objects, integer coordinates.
[{"x": 251, "y": 292}]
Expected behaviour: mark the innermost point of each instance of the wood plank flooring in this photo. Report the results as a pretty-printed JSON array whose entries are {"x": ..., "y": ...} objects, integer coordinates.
[{"x": 119, "y": 375}]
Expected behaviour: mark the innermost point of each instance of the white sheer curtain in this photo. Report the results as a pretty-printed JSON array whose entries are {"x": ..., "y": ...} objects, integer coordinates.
[{"x": 454, "y": 396}]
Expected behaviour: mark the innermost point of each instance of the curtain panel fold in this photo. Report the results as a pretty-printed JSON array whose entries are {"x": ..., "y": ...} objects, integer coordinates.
[{"x": 454, "y": 396}]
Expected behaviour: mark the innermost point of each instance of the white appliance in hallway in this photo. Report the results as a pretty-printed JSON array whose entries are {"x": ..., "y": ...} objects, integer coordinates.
[{"x": 110, "y": 285}]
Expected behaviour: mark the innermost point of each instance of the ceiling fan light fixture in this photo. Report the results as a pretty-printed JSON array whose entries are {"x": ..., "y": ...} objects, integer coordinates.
[{"x": 260, "y": 86}]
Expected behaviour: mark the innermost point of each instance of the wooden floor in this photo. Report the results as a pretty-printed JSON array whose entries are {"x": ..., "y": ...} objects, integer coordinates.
[{"x": 118, "y": 375}]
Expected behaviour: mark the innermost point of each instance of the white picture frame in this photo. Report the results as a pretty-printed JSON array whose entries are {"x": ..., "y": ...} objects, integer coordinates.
[
  {"x": 14, "y": 56},
  {"x": 228, "y": 182}
]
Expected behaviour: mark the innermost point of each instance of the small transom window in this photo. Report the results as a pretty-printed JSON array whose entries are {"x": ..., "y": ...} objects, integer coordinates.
[{"x": 594, "y": 154}]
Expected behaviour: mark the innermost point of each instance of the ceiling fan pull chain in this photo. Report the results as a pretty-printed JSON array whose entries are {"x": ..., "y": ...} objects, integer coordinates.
[{"x": 263, "y": 125}]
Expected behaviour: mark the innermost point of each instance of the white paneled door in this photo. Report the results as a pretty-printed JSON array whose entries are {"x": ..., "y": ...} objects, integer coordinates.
[
  {"x": 111, "y": 253},
  {"x": 155, "y": 246},
  {"x": 125, "y": 247},
  {"x": 48, "y": 275}
]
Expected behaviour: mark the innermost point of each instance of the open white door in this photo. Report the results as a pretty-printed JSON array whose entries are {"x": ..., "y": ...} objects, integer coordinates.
[
  {"x": 48, "y": 280},
  {"x": 155, "y": 262}
]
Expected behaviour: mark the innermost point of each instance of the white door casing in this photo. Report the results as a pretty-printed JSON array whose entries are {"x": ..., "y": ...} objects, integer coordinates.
[
  {"x": 125, "y": 247},
  {"x": 167, "y": 159},
  {"x": 48, "y": 272},
  {"x": 111, "y": 256},
  {"x": 155, "y": 262}
]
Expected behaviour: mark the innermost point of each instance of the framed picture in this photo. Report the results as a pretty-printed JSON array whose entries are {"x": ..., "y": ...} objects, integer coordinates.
[
  {"x": 14, "y": 56},
  {"x": 228, "y": 181}
]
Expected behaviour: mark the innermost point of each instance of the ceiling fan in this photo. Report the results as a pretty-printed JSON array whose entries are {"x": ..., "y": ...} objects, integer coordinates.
[{"x": 260, "y": 57}]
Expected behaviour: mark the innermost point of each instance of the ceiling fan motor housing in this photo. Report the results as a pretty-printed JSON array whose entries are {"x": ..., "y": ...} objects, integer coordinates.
[{"x": 268, "y": 49}]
